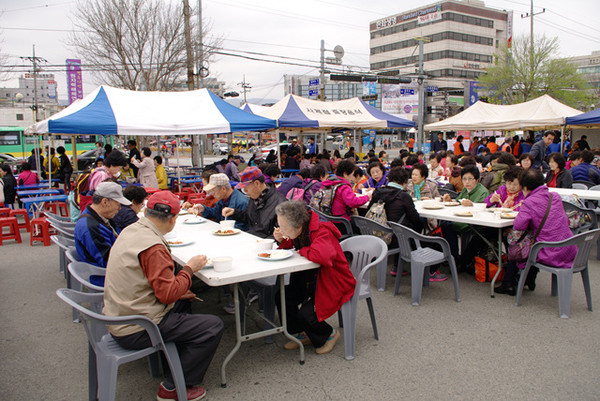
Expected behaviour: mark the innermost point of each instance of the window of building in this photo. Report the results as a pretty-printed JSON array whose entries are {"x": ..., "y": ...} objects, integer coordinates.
[{"x": 19, "y": 117}]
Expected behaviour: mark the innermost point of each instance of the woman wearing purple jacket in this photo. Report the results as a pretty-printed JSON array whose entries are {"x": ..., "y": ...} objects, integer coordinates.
[
  {"x": 556, "y": 228},
  {"x": 508, "y": 195}
]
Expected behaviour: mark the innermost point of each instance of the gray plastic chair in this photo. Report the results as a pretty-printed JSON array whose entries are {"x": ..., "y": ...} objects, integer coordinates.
[
  {"x": 105, "y": 355},
  {"x": 80, "y": 276},
  {"x": 594, "y": 188},
  {"x": 64, "y": 231},
  {"x": 578, "y": 185},
  {"x": 421, "y": 258},
  {"x": 72, "y": 255},
  {"x": 588, "y": 184},
  {"x": 444, "y": 191},
  {"x": 367, "y": 251},
  {"x": 589, "y": 218},
  {"x": 53, "y": 216},
  {"x": 63, "y": 243},
  {"x": 562, "y": 279},
  {"x": 367, "y": 227},
  {"x": 340, "y": 222}
]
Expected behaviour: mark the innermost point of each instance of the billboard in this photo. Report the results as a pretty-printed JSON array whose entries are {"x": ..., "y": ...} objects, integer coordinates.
[
  {"x": 370, "y": 88},
  {"x": 74, "y": 81},
  {"x": 400, "y": 100}
]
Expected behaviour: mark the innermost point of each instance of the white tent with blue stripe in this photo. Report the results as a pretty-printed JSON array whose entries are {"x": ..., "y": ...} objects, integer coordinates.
[
  {"x": 253, "y": 108},
  {"x": 298, "y": 112},
  {"x": 114, "y": 111}
]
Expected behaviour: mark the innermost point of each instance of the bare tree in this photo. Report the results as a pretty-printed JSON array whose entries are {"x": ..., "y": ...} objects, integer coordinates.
[
  {"x": 5, "y": 68},
  {"x": 134, "y": 44}
]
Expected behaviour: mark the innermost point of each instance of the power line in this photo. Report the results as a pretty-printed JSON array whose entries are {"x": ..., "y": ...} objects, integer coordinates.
[
  {"x": 35, "y": 7},
  {"x": 572, "y": 20},
  {"x": 568, "y": 30}
]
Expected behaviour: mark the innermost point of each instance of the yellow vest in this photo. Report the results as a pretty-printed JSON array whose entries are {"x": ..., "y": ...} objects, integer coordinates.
[{"x": 126, "y": 288}]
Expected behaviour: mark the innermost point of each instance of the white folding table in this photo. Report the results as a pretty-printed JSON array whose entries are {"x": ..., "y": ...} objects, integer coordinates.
[
  {"x": 581, "y": 193},
  {"x": 481, "y": 217},
  {"x": 246, "y": 266}
]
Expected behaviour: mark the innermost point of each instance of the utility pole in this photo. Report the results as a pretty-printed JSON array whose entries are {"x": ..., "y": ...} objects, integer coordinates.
[
  {"x": 530, "y": 15},
  {"x": 322, "y": 73},
  {"x": 190, "y": 70},
  {"x": 199, "y": 142},
  {"x": 35, "y": 60},
  {"x": 245, "y": 87},
  {"x": 419, "y": 140}
]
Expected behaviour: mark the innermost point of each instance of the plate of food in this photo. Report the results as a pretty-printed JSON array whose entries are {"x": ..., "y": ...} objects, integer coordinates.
[
  {"x": 508, "y": 215},
  {"x": 227, "y": 231},
  {"x": 433, "y": 205},
  {"x": 183, "y": 212},
  {"x": 499, "y": 209},
  {"x": 177, "y": 242},
  {"x": 463, "y": 214},
  {"x": 452, "y": 203},
  {"x": 194, "y": 220},
  {"x": 275, "y": 254}
]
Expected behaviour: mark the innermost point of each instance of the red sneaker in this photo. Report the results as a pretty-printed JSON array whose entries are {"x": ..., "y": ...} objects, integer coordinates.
[{"x": 193, "y": 393}]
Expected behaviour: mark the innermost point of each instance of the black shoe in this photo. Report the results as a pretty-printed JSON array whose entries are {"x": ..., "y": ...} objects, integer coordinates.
[
  {"x": 531, "y": 286},
  {"x": 506, "y": 288}
]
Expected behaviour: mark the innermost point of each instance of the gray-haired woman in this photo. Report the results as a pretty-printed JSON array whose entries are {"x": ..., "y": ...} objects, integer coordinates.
[{"x": 313, "y": 295}]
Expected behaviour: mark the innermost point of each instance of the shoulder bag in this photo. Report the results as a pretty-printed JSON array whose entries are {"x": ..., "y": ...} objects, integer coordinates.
[{"x": 519, "y": 250}]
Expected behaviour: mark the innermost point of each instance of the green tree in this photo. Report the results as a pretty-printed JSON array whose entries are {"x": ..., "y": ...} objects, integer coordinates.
[{"x": 519, "y": 75}]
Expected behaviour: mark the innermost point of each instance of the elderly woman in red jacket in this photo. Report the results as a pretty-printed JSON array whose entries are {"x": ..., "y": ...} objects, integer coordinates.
[{"x": 313, "y": 295}]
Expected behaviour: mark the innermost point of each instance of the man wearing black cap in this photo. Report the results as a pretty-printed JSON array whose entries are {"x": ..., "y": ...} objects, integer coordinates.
[
  {"x": 232, "y": 170},
  {"x": 141, "y": 280}
]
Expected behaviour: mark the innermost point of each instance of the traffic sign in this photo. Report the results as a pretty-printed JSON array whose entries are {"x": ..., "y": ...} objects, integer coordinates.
[
  {"x": 432, "y": 89},
  {"x": 313, "y": 92},
  {"x": 313, "y": 82}
]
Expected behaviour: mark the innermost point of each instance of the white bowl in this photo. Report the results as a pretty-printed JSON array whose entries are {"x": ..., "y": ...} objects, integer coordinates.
[
  {"x": 222, "y": 263},
  {"x": 264, "y": 244},
  {"x": 227, "y": 224}
]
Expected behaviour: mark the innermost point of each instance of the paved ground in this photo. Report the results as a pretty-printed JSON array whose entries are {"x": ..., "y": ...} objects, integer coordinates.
[{"x": 480, "y": 348}]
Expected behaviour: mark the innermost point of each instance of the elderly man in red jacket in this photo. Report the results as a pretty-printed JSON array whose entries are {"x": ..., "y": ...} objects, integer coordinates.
[{"x": 314, "y": 295}]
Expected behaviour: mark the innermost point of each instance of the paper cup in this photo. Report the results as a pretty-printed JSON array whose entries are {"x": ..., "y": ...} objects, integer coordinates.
[
  {"x": 222, "y": 264},
  {"x": 264, "y": 244},
  {"x": 226, "y": 224}
]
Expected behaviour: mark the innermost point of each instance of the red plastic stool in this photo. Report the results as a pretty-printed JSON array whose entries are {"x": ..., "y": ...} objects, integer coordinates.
[
  {"x": 51, "y": 207},
  {"x": 62, "y": 207},
  {"x": 22, "y": 212},
  {"x": 5, "y": 212},
  {"x": 182, "y": 195},
  {"x": 40, "y": 231},
  {"x": 13, "y": 229}
]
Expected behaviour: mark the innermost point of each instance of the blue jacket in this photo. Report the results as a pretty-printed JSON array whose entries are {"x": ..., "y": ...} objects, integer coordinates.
[
  {"x": 125, "y": 217},
  {"x": 237, "y": 200},
  {"x": 93, "y": 240},
  {"x": 586, "y": 172}
]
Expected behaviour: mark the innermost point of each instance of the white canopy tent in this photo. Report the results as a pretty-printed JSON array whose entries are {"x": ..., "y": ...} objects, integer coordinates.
[{"x": 541, "y": 113}]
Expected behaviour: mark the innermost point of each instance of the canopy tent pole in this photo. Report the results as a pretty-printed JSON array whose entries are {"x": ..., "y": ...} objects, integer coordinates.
[
  {"x": 74, "y": 151},
  {"x": 562, "y": 139},
  {"x": 278, "y": 148},
  {"x": 201, "y": 150},
  {"x": 38, "y": 146},
  {"x": 178, "y": 168},
  {"x": 49, "y": 163}
]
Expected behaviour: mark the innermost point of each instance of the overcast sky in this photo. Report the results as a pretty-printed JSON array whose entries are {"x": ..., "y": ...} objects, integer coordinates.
[{"x": 285, "y": 28}]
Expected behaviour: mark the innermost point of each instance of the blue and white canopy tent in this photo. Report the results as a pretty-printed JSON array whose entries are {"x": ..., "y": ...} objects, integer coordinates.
[
  {"x": 253, "y": 108},
  {"x": 298, "y": 113},
  {"x": 591, "y": 119},
  {"x": 114, "y": 111}
]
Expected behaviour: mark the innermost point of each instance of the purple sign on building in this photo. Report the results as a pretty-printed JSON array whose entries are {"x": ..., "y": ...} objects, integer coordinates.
[{"x": 74, "y": 83}]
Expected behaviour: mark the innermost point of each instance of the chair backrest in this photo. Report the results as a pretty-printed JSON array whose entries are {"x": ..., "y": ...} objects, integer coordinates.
[
  {"x": 580, "y": 219},
  {"x": 404, "y": 235},
  {"x": 340, "y": 222},
  {"x": 450, "y": 192},
  {"x": 63, "y": 242},
  {"x": 368, "y": 226},
  {"x": 81, "y": 272},
  {"x": 72, "y": 255},
  {"x": 69, "y": 233},
  {"x": 584, "y": 241},
  {"x": 366, "y": 251},
  {"x": 53, "y": 216},
  {"x": 588, "y": 184},
  {"x": 578, "y": 185},
  {"x": 65, "y": 225},
  {"x": 594, "y": 188},
  {"x": 95, "y": 322}
]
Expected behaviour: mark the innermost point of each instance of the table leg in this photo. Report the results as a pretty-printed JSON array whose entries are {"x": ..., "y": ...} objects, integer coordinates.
[
  {"x": 499, "y": 263},
  {"x": 284, "y": 319},
  {"x": 238, "y": 334}
]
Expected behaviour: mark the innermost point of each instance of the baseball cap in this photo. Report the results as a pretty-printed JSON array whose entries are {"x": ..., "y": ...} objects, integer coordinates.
[
  {"x": 217, "y": 180},
  {"x": 166, "y": 201},
  {"x": 112, "y": 190},
  {"x": 249, "y": 175}
]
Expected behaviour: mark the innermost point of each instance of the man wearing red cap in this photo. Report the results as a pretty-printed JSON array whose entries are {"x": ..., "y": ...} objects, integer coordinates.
[{"x": 141, "y": 280}]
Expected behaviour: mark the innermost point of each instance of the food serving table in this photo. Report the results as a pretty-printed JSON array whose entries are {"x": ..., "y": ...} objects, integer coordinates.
[
  {"x": 581, "y": 193},
  {"x": 481, "y": 217},
  {"x": 246, "y": 266}
]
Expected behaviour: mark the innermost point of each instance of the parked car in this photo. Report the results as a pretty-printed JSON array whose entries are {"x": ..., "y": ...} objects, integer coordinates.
[
  {"x": 88, "y": 158},
  {"x": 282, "y": 146},
  {"x": 11, "y": 161},
  {"x": 220, "y": 148}
]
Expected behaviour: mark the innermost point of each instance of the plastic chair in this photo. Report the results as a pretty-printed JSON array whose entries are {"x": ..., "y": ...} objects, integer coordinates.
[
  {"x": 367, "y": 251},
  {"x": 340, "y": 222},
  {"x": 588, "y": 184},
  {"x": 13, "y": 229},
  {"x": 444, "y": 191},
  {"x": 72, "y": 255},
  {"x": 63, "y": 243},
  {"x": 579, "y": 185},
  {"x": 26, "y": 222},
  {"x": 57, "y": 217},
  {"x": 40, "y": 231},
  {"x": 81, "y": 272},
  {"x": 594, "y": 188},
  {"x": 421, "y": 258},
  {"x": 588, "y": 217},
  {"x": 367, "y": 227},
  {"x": 66, "y": 232},
  {"x": 562, "y": 279},
  {"x": 105, "y": 355}
]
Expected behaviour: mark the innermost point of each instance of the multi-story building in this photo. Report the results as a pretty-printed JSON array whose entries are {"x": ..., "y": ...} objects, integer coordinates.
[
  {"x": 460, "y": 40},
  {"x": 589, "y": 67},
  {"x": 25, "y": 93}
]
